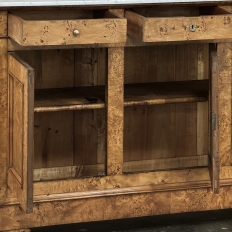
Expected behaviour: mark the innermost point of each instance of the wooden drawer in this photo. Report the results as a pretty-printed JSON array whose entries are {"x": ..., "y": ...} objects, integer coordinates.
[
  {"x": 179, "y": 24},
  {"x": 63, "y": 28}
]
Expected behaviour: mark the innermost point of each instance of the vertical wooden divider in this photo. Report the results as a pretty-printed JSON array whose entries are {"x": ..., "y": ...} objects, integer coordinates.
[
  {"x": 115, "y": 111},
  {"x": 3, "y": 102},
  {"x": 224, "y": 53},
  {"x": 3, "y": 115}
]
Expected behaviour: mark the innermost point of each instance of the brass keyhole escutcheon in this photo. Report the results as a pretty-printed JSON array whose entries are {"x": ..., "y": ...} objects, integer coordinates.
[{"x": 192, "y": 27}]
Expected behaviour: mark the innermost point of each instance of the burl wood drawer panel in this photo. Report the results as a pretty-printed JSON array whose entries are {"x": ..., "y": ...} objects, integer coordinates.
[
  {"x": 65, "y": 27},
  {"x": 179, "y": 24}
]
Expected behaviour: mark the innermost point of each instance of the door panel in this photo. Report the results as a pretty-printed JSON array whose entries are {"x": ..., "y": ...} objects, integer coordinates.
[
  {"x": 213, "y": 117},
  {"x": 21, "y": 121}
]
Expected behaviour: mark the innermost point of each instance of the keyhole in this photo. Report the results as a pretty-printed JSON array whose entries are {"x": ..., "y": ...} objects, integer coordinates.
[{"x": 192, "y": 27}]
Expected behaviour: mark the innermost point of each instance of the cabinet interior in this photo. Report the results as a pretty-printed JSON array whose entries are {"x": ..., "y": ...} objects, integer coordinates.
[{"x": 165, "y": 124}]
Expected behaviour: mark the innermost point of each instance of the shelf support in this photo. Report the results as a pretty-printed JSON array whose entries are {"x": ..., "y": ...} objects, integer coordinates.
[{"x": 114, "y": 111}]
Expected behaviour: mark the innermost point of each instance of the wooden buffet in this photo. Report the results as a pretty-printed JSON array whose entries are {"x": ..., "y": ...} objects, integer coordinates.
[{"x": 114, "y": 111}]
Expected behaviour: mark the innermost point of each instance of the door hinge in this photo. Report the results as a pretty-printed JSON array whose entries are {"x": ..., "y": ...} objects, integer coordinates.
[{"x": 214, "y": 121}]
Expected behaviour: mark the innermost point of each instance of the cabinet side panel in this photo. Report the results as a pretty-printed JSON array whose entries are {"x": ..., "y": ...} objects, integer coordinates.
[
  {"x": 224, "y": 52},
  {"x": 3, "y": 115}
]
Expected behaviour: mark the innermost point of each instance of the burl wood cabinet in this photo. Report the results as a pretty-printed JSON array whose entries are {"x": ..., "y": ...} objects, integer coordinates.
[{"x": 111, "y": 112}]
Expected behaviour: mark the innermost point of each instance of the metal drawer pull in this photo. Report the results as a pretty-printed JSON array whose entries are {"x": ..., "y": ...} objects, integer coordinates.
[{"x": 76, "y": 32}]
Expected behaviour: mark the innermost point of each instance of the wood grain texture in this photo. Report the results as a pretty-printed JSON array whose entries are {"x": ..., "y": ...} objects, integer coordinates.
[
  {"x": 115, "y": 110},
  {"x": 21, "y": 230},
  {"x": 185, "y": 69},
  {"x": 56, "y": 173},
  {"x": 47, "y": 32},
  {"x": 79, "y": 98},
  {"x": 3, "y": 116},
  {"x": 214, "y": 134},
  {"x": 21, "y": 122},
  {"x": 224, "y": 52},
  {"x": 3, "y": 23},
  {"x": 130, "y": 42},
  {"x": 53, "y": 139},
  {"x": 90, "y": 125},
  {"x": 149, "y": 130},
  {"x": 202, "y": 107},
  {"x": 115, "y": 207},
  {"x": 122, "y": 181},
  {"x": 150, "y": 29}
]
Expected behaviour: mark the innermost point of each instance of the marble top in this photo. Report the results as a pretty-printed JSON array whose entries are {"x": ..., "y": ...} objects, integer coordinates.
[{"x": 26, "y": 3}]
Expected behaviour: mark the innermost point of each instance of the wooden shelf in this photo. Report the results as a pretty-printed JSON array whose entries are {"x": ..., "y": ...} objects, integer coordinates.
[
  {"x": 49, "y": 100},
  {"x": 166, "y": 92}
]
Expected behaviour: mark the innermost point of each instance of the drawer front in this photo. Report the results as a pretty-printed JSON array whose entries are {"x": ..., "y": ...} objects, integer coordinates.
[
  {"x": 65, "y": 32},
  {"x": 179, "y": 28}
]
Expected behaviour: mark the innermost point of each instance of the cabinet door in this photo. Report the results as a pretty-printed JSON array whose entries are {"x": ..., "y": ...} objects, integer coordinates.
[
  {"x": 21, "y": 139},
  {"x": 213, "y": 117}
]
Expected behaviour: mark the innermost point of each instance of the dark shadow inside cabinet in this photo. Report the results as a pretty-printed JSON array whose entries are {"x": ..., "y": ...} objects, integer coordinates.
[
  {"x": 69, "y": 119},
  {"x": 159, "y": 133}
]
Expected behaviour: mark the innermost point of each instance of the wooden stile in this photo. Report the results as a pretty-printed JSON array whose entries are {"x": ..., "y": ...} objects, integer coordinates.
[
  {"x": 213, "y": 124},
  {"x": 114, "y": 111}
]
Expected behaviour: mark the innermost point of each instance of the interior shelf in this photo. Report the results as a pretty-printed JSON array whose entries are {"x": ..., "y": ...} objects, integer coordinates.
[
  {"x": 93, "y": 97},
  {"x": 80, "y": 98}
]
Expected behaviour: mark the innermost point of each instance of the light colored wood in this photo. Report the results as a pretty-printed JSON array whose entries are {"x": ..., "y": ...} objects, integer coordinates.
[
  {"x": 29, "y": 32},
  {"x": 121, "y": 181},
  {"x": 119, "y": 12},
  {"x": 156, "y": 29},
  {"x": 114, "y": 111},
  {"x": 227, "y": 8},
  {"x": 3, "y": 24},
  {"x": 130, "y": 42},
  {"x": 3, "y": 116},
  {"x": 125, "y": 206},
  {"x": 21, "y": 122},
  {"x": 224, "y": 52},
  {"x": 191, "y": 178},
  {"x": 130, "y": 166}
]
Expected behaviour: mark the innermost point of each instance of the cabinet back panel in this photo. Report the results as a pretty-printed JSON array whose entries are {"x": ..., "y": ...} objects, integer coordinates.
[
  {"x": 53, "y": 134},
  {"x": 162, "y": 131},
  {"x": 150, "y": 132},
  {"x": 68, "y": 138}
]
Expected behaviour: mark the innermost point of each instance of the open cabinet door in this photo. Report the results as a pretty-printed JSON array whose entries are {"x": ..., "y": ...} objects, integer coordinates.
[
  {"x": 21, "y": 139},
  {"x": 213, "y": 120}
]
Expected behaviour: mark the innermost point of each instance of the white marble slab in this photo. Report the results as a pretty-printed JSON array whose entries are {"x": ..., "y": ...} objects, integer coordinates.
[{"x": 15, "y": 3}]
